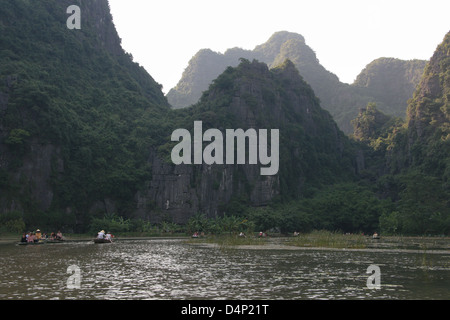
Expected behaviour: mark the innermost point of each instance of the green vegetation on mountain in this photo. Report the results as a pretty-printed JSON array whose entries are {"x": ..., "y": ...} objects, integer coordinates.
[
  {"x": 313, "y": 151},
  {"x": 416, "y": 153},
  {"x": 85, "y": 137},
  {"x": 75, "y": 91},
  {"x": 318, "y": 185}
]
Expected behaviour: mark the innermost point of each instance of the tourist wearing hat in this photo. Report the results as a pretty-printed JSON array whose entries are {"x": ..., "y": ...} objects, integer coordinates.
[
  {"x": 38, "y": 235},
  {"x": 101, "y": 234}
]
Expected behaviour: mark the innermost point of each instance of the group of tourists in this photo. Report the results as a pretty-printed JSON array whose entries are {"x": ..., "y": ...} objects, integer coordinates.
[
  {"x": 105, "y": 236},
  {"x": 37, "y": 236}
]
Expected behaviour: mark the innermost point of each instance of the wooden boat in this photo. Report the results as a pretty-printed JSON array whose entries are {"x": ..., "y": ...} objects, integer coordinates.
[
  {"x": 54, "y": 240},
  {"x": 31, "y": 243},
  {"x": 102, "y": 241}
]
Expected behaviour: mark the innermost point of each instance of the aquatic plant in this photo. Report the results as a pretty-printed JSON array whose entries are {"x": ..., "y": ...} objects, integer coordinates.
[{"x": 323, "y": 238}]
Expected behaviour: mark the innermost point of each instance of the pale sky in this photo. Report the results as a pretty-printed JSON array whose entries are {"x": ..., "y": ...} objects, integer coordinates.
[{"x": 346, "y": 35}]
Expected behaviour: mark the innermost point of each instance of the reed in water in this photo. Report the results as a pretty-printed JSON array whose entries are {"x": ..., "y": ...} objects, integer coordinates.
[{"x": 329, "y": 239}]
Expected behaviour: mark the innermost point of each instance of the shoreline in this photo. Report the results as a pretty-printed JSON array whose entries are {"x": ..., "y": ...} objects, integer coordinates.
[
  {"x": 84, "y": 238},
  {"x": 324, "y": 248},
  {"x": 387, "y": 243}
]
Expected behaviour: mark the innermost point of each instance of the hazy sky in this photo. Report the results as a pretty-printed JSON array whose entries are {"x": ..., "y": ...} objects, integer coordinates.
[{"x": 346, "y": 35}]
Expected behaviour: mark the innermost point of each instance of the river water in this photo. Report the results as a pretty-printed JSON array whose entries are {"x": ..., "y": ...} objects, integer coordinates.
[{"x": 175, "y": 269}]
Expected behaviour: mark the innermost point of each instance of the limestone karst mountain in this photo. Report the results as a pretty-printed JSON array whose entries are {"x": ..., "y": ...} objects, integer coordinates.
[
  {"x": 312, "y": 149},
  {"x": 82, "y": 126},
  {"x": 415, "y": 155},
  {"x": 76, "y": 112},
  {"x": 85, "y": 135},
  {"x": 387, "y": 82}
]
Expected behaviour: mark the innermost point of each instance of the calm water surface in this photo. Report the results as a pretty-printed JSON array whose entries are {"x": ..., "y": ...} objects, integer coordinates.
[{"x": 174, "y": 269}]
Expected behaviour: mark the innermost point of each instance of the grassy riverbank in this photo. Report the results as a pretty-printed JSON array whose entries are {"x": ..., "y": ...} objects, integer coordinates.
[
  {"x": 330, "y": 240},
  {"x": 312, "y": 239}
]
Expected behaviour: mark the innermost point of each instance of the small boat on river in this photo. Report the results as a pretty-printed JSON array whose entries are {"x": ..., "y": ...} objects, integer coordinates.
[
  {"x": 31, "y": 243},
  {"x": 102, "y": 241},
  {"x": 54, "y": 241}
]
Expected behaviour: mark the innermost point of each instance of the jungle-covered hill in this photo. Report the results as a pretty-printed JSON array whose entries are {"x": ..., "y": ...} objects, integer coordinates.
[{"x": 85, "y": 136}]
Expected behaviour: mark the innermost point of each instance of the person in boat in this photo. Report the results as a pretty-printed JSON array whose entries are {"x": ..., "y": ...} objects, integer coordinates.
[
  {"x": 101, "y": 234},
  {"x": 38, "y": 236},
  {"x": 59, "y": 236},
  {"x": 24, "y": 238},
  {"x": 31, "y": 238},
  {"x": 108, "y": 236}
]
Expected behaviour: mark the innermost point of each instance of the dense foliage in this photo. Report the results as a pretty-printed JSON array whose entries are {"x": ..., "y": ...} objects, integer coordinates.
[
  {"x": 102, "y": 110},
  {"x": 101, "y": 113},
  {"x": 414, "y": 157},
  {"x": 313, "y": 152}
]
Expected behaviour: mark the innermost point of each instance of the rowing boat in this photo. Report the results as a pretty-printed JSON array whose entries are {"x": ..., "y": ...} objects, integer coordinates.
[
  {"x": 55, "y": 241},
  {"x": 102, "y": 241},
  {"x": 31, "y": 243}
]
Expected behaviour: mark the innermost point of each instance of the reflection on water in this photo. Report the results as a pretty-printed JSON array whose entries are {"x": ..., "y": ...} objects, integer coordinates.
[{"x": 173, "y": 269}]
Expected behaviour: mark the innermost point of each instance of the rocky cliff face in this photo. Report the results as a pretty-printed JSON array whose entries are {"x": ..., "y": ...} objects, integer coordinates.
[
  {"x": 176, "y": 193},
  {"x": 423, "y": 142},
  {"x": 56, "y": 84},
  {"x": 83, "y": 129},
  {"x": 253, "y": 97},
  {"x": 96, "y": 14},
  {"x": 392, "y": 81},
  {"x": 30, "y": 167},
  {"x": 430, "y": 107}
]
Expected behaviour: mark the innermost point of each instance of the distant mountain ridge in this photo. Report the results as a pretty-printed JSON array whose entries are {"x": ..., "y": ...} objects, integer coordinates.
[
  {"x": 392, "y": 81},
  {"x": 343, "y": 101}
]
